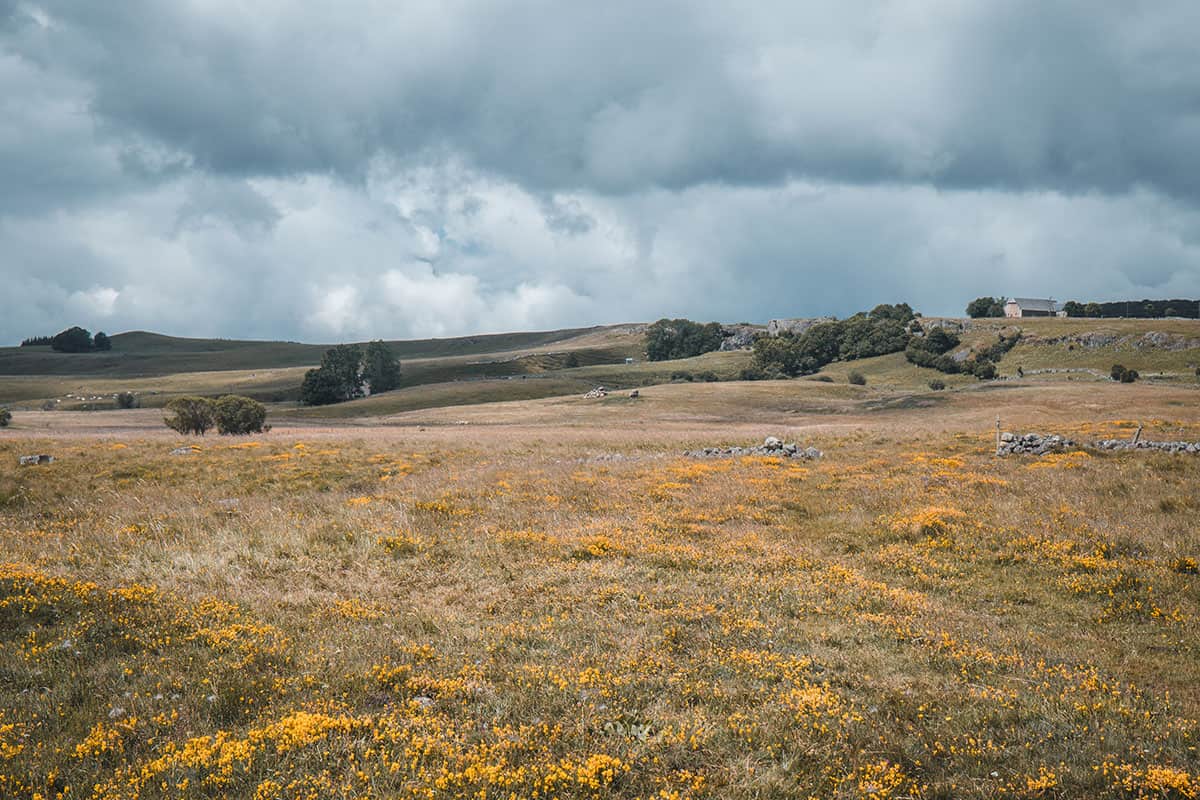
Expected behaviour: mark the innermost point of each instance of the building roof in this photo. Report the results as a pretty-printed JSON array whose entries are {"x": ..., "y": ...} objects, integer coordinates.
[{"x": 1034, "y": 304}]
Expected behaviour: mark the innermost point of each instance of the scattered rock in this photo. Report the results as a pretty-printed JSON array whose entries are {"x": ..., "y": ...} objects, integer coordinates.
[
  {"x": 40, "y": 458},
  {"x": 738, "y": 337},
  {"x": 229, "y": 503},
  {"x": 116, "y": 712},
  {"x": 596, "y": 393},
  {"x": 183, "y": 451},
  {"x": 423, "y": 701},
  {"x": 634, "y": 395},
  {"x": 797, "y": 326},
  {"x": 771, "y": 446},
  {"x": 1036, "y": 444}
]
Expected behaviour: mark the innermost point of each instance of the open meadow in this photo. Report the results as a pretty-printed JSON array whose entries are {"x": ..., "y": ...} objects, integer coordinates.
[{"x": 544, "y": 598}]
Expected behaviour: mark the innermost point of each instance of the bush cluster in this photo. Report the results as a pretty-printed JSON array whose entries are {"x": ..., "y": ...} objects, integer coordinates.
[
  {"x": 1143, "y": 309},
  {"x": 1120, "y": 373},
  {"x": 857, "y": 378},
  {"x": 5, "y": 417},
  {"x": 877, "y": 332},
  {"x": 126, "y": 400},
  {"x": 72, "y": 340},
  {"x": 232, "y": 415},
  {"x": 669, "y": 339},
  {"x": 707, "y": 376},
  {"x": 348, "y": 372},
  {"x": 933, "y": 351},
  {"x": 985, "y": 307}
]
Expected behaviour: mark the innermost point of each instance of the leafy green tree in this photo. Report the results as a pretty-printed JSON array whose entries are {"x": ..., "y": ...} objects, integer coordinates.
[
  {"x": 900, "y": 312},
  {"x": 339, "y": 378},
  {"x": 1074, "y": 308},
  {"x": 190, "y": 415},
  {"x": 984, "y": 369},
  {"x": 72, "y": 340},
  {"x": 985, "y": 307},
  {"x": 102, "y": 342},
  {"x": 670, "y": 339},
  {"x": 1092, "y": 310},
  {"x": 320, "y": 388},
  {"x": 381, "y": 370},
  {"x": 237, "y": 416}
]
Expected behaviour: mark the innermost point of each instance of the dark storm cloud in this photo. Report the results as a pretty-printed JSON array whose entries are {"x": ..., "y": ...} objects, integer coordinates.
[
  {"x": 616, "y": 97},
  {"x": 369, "y": 168}
]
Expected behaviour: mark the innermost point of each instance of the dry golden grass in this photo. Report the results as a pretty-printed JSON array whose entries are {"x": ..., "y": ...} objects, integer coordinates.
[{"x": 500, "y": 609}]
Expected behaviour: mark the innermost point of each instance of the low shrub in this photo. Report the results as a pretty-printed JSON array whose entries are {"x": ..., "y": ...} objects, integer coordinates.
[
  {"x": 682, "y": 375},
  {"x": 239, "y": 416},
  {"x": 5, "y": 417},
  {"x": 937, "y": 385},
  {"x": 822, "y": 378},
  {"x": 190, "y": 415},
  {"x": 857, "y": 378},
  {"x": 127, "y": 400},
  {"x": 1120, "y": 373},
  {"x": 708, "y": 376}
]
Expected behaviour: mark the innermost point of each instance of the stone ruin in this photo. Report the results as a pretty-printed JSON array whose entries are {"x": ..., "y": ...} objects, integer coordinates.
[
  {"x": 771, "y": 446},
  {"x": 1040, "y": 443},
  {"x": 1036, "y": 444},
  {"x": 1144, "y": 444}
]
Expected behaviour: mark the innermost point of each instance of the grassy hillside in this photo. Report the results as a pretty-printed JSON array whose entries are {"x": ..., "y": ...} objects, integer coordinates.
[{"x": 146, "y": 354}]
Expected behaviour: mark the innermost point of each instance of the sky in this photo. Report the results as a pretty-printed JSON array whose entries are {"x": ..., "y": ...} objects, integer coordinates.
[{"x": 367, "y": 169}]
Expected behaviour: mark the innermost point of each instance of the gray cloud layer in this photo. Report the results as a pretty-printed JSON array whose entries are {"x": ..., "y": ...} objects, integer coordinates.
[{"x": 374, "y": 169}]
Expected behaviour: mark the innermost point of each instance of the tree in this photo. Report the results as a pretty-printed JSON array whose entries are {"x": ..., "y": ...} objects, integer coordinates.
[
  {"x": 72, "y": 340},
  {"x": 5, "y": 417},
  {"x": 670, "y": 339},
  {"x": 102, "y": 342},
  {"x": 1092, "y": 310},
  {"x": 984, "y": 369},
  {"x": 339, "y": 378},
  {"x": 985, "y": 307},
  {"x": 1074, "y": 308},
  {"x": 900, "y": 312},
  {"x": 190, "y": 415},
  {"x": 381, "y": 370},
  {"x": 237, "y": 416}
]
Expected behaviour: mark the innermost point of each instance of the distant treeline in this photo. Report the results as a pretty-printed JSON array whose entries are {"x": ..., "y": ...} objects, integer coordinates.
[
  {"x": 72, "y": 340},
  {"x": 1143, "y": 309}
]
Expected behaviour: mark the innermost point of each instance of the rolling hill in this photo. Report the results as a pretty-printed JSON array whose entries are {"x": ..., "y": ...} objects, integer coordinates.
[{"x": 491, "y": 368}]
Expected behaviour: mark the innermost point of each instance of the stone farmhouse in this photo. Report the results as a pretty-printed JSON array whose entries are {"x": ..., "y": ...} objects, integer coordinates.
[{"x": 1030, "y": 307}]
